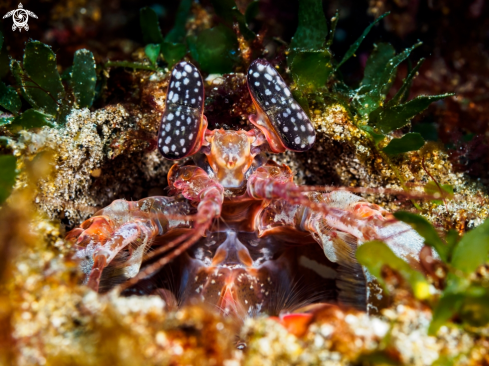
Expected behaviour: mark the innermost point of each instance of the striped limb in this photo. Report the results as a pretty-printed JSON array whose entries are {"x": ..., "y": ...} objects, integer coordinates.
[
  {"x": 119, "y": 235},
  {"x": 339, "y": 221},
  {"x": 196, "y": 186}
]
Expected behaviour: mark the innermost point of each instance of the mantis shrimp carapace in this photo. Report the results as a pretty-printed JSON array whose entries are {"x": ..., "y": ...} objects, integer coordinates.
[{"x": 235, "y": 231}]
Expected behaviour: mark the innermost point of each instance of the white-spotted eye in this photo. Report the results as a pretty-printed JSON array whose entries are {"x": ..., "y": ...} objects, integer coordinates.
[
  {"x": 272, "y": 96},
  {"x": 182, "y": 124}
]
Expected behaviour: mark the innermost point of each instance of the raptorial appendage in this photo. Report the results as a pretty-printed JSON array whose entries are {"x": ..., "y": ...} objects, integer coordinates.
[
  {"x": 237, "y": 232},
  {"x": 119, "y": 235},
  {"x": 339, "y": 221}
]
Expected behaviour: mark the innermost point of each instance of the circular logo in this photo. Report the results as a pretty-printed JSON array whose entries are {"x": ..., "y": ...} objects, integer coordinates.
[{"x": 20, "y": 17}]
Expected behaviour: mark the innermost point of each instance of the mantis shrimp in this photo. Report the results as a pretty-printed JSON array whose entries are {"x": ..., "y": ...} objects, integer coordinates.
[{"x": 235, "y": 231}]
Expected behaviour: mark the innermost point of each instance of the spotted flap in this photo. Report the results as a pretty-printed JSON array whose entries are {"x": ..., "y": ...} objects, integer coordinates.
[
  {"x": 183, "y": 122},
  {"x": 273, "y": 97}
]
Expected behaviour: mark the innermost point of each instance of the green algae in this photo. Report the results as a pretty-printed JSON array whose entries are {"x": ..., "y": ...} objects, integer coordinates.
[
  {"x": 83, "y": 78},
  {"x": 463, "y": 294},
  {"x": 385, "y": 256},
  {"x": 9, "y": 99},
  {"x": 42, "y": 82}
]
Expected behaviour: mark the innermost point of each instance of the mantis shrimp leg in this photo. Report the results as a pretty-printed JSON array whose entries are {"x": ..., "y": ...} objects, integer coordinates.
[
  {"x": 125, "y": 230},
  {"x": 339, "y": 221},
  {"x": 195, "y": 185},
  {"x": 122, "y": 233}
]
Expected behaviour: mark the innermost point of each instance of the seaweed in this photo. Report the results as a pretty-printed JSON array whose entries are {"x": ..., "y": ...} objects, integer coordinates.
[
  {"x": 83, "y": 78},
  {"x": 41, "y": 81},
  {"x": 31, "y": 118},
  {"x": 310, "y": 60},
  {"x": 408, "y": 142},
  {"x": 9, "y": 99},
  {"x": 229, "y": 12},
  {"x": 464, "y": 294},
  {"x": 41, "y": 85},
  {"x": 385, "y": 256},
  {"x": 313, "y": 68},
  {"x": 215, "y": 49},
  {"x": 172, "y": 47}
]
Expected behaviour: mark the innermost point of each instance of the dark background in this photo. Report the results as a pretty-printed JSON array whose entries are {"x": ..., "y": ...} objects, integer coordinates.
[{"x": 455, "y": 36}]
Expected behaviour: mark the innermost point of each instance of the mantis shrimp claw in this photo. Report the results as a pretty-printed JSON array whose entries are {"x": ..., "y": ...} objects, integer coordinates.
[
  {"x": 339, "y": 221},
  {"x": 120, "y": 234}
]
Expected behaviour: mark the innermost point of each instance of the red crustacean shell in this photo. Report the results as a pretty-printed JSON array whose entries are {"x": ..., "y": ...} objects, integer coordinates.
[{"x": 237, "y": 233}]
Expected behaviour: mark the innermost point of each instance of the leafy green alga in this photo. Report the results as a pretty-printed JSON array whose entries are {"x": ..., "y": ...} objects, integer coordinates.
[
  {"x": 31, "y": 118},
  {"x": 215, "y": 49},
  {"x": 42, "y": 82},
  {"x": 83, "y": 78},
  {"x": 408, "y": 142},
  {"x": 375, "y": 255},
  {"x": 392, "y": 118},
  {"x": 9, "y": 99},
  {"x": 463, "y": 294}
]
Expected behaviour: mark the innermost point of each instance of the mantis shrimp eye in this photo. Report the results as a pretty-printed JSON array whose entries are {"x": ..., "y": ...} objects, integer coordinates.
[
  {"x": 280, "y": 115},
  {"x": 183, "y": 123}
]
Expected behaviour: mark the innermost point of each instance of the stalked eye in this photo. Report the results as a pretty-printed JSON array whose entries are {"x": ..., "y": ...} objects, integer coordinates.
[
  {"x": 284, "y": 118},
  {"x": 183, "y": 123}
]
